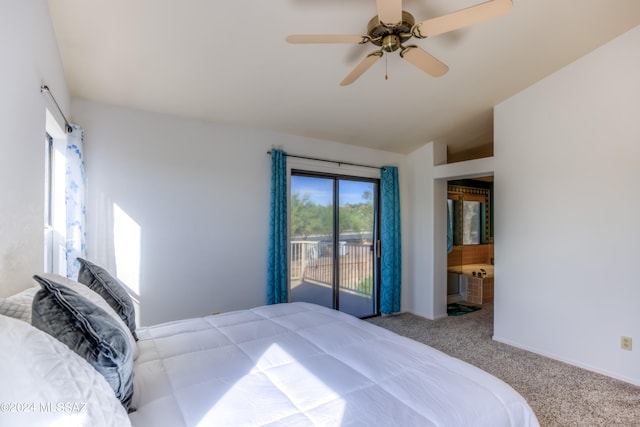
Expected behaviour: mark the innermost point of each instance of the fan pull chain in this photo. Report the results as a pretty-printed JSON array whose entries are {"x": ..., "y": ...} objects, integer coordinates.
[{"x": 386, "y": 67}]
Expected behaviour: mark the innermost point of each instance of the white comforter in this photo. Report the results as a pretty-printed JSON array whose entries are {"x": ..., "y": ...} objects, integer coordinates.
[{"x": 301, "y": 364}]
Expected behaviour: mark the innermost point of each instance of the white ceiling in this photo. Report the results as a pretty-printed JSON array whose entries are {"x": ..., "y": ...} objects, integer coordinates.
[{"x": 227, "y": 61}]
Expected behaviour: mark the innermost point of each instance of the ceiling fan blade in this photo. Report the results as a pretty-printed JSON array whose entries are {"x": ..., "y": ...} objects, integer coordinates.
[
  {"x": 389, "y": 11},
  {"x": 424, "y": 60},
  {"x": 463, "y": 18},
  {"x": 360, "y": 69},
  {"x": 327, "y": 38}
]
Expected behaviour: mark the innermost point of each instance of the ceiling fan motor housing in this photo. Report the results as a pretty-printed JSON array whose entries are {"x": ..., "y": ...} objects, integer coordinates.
[{"x": 390, "y": 36}]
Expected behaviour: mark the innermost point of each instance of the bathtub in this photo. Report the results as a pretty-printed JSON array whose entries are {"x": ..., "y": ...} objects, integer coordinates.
[
  {"x": 469, "y": 269},
  {"x": 476, "y": 289}
]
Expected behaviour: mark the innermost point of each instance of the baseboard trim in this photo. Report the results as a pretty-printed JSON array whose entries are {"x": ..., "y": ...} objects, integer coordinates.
[
  {"x": 439, "y": 316},
  {"x": 604, "y": 372}
]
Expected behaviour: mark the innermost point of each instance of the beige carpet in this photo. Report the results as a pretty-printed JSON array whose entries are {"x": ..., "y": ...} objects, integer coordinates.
[{"x": 559, "y": 394}]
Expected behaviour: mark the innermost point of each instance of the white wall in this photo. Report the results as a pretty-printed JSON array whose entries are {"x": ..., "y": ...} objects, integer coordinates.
[
  {"x": 199, "y": 193},
  {"x": 567, "y": 169},
  {"x": 423, "y": 298},
  {"x": 29, "y": 58}
]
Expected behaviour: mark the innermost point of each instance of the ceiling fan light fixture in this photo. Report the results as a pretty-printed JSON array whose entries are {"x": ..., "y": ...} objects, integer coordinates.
[{"x": 390, "y": 43}]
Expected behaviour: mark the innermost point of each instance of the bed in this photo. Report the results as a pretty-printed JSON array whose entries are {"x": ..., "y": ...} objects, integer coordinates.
[{"x": 294, "y": 364}]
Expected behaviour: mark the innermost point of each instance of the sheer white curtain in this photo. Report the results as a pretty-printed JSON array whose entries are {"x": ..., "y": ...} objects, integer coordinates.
[{"x": 75, "y": 210}]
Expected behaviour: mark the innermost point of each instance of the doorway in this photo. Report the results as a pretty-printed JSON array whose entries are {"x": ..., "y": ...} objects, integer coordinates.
[
  {"x": 334, "y": 230},
  {"x": 470, "y": 256}
]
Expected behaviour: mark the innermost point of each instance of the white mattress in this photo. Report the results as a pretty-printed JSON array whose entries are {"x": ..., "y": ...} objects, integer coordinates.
[{"x": 302, "y": 364}]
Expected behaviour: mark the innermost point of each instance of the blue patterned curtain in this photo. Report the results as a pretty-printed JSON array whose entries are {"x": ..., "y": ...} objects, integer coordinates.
[
  {"x": 75, "y": 245},
  {"x": 390, "y": 239},
  {"x": 277, "y": 283}
]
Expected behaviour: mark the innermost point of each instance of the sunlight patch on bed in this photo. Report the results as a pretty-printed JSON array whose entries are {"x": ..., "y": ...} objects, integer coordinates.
[
  {"x": 275, "y": 396},
  {"x": 67, "y": 420}
]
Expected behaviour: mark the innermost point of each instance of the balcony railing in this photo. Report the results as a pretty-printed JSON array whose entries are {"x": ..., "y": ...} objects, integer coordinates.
[{"x": 312, "y": 262}]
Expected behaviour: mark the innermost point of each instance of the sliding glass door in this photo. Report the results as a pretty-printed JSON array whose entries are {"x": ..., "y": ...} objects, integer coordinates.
[{"x": 332, "y": 248}]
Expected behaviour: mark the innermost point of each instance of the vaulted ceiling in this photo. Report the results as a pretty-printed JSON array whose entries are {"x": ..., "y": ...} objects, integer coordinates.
[{"x": 228, "y": 62}]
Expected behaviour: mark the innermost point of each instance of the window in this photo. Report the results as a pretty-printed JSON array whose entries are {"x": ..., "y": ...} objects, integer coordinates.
[
  {"x": 48, "y": 204},
  {"x": 471, "y": 223},
  {"x": 54, "y": 196},
  {"x": 470, "y": 214}
]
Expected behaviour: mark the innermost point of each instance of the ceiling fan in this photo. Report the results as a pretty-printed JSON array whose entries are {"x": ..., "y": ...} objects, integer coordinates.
[{"x": 392, "y": 26}]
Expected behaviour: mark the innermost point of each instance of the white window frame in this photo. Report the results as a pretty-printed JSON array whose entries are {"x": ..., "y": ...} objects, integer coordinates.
[{"x": 54, "y": 197}]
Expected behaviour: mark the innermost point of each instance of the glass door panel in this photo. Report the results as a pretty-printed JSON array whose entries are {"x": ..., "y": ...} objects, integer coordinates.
[
  {"x": 332, "y": 257},
  {"x": 311, "y": 267},
  {"x": 356, "y": 219}
]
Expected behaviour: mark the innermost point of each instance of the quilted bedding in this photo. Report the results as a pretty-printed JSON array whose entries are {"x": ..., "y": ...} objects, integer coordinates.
[{"x": 302, "y": 364}]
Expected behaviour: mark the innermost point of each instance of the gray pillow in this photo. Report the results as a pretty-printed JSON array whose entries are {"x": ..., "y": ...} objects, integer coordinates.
[
  {"x": 87, "y": 330},
  {"x": 111, "y": 289}
]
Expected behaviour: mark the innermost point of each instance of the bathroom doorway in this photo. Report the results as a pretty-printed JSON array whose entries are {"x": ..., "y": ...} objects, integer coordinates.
[{"x": 470, "y": 250}]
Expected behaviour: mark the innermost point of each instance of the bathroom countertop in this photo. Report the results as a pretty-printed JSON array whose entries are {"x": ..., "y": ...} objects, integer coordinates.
[{"x": 468, "y": 269}]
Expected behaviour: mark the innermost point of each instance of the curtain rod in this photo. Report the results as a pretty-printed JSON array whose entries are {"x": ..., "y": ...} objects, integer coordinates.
[
  {"x": 329, "y": 161},
  {"x": 67, "y": 126}
]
